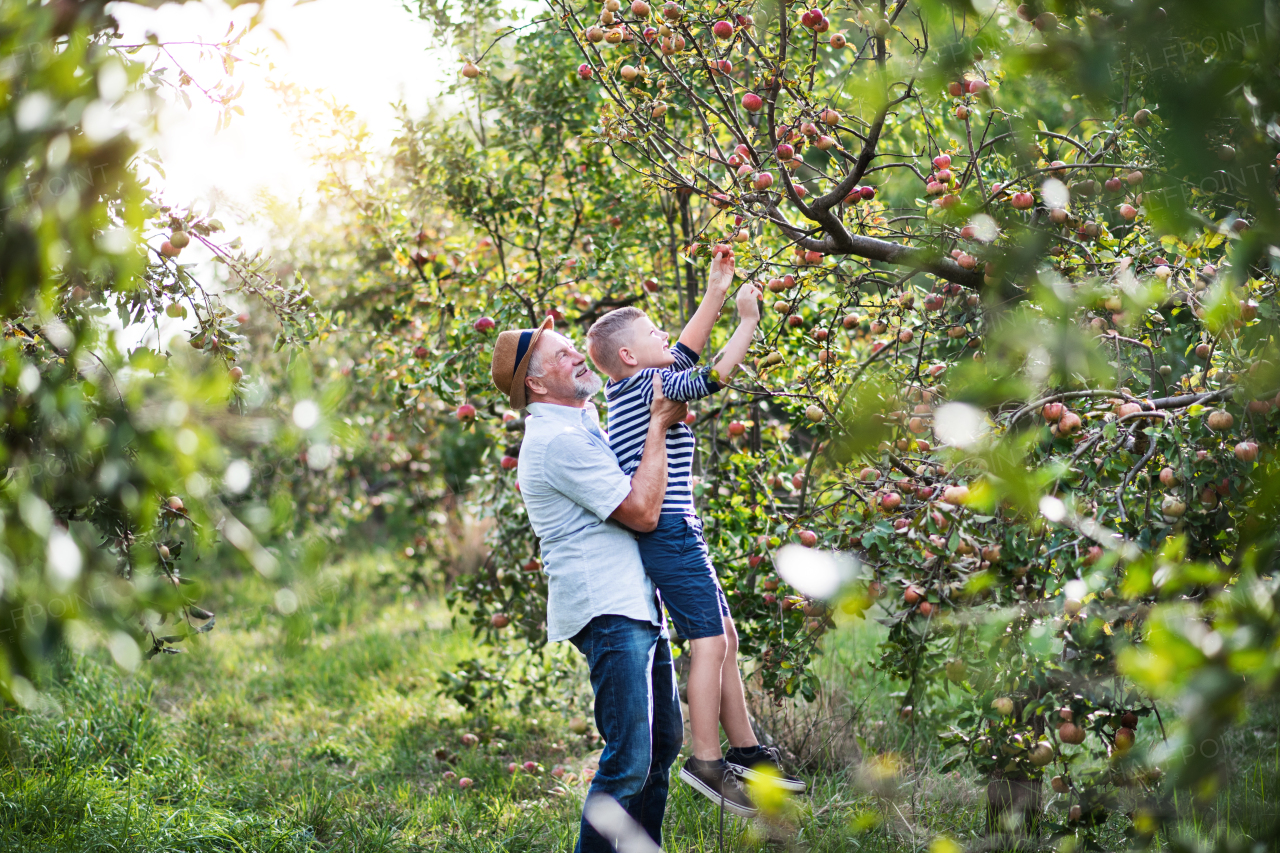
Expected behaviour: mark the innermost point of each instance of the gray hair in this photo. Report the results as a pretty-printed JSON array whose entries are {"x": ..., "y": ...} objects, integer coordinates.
[{"x": 535, "y": 368}]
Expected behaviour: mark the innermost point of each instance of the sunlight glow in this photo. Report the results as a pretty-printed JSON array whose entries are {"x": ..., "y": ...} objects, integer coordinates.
[{"x": 364, "y": 55}]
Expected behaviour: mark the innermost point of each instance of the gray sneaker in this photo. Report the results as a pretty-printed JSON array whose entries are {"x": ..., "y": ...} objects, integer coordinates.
[
  {"x": 749, "y": 764},
  {"x": 719, "y": 784}
]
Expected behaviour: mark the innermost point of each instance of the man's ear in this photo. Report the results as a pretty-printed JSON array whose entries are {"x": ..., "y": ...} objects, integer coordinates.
[{"x": 533, "y": 385}]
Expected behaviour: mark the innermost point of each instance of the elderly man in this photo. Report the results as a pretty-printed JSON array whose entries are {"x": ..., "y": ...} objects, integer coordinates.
[{"x": 598, "y": 596}]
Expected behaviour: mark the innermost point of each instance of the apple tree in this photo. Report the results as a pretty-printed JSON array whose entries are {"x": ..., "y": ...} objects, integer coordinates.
[
  {"x": 1018, "y": 355},
  {"x": 1022, "y": 362}
]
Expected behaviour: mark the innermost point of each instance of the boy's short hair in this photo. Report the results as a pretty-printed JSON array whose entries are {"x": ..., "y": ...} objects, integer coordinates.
[{"x": 609, "y": 334}]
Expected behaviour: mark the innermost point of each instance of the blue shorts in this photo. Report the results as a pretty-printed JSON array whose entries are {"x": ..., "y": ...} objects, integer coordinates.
[{"x": 677, "y": 560}]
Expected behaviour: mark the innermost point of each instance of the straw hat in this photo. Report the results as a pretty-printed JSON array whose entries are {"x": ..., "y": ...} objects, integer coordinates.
[{"x": 511, "y": 356}]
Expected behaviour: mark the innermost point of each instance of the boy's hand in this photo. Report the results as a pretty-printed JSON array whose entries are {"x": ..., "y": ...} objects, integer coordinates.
[
  {"x": 721, "y": 276},
  {"x": 748, "y": 301},
  {"x": 664, "y": 411}
]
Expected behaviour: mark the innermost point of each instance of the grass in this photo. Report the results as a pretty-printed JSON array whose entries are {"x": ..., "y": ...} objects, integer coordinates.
[{"x": 323, "y": 731}]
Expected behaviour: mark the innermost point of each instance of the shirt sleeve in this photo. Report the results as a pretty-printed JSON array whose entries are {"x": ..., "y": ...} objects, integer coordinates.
[
  {"x": 685, "y": 358},
  {"x": 688, "y": 385},
  {"x": 586, "y": 473}
]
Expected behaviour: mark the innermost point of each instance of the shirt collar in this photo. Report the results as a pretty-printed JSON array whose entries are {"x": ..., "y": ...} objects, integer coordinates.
[{"x": 565, "y": 413}]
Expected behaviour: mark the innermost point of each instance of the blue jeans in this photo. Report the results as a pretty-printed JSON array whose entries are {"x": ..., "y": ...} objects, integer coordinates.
[{"x": 637, "y": 711}]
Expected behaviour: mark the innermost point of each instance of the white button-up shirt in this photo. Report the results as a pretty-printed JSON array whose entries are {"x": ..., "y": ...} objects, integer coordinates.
[{"x": 571, "y": 484}]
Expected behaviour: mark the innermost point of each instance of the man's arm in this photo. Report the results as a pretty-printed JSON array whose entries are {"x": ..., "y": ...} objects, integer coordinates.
[
  {"x": 698, "y": 331},
  {"x": 640, "y": 509}
]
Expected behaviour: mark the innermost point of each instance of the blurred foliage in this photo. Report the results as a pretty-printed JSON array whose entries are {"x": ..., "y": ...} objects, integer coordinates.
[{"x": 115, "y": 442}]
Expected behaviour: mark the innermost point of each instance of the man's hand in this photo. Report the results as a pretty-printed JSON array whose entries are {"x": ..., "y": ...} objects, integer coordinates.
[
  {"x": 748, "y": 301},
  {"x": 641, "y": 509},
  {"x": 721, "y": 276},
  {"x": 664, "y": 411}
]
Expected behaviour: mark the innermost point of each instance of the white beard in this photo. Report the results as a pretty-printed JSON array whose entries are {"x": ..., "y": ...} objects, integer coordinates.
[{"x": 587, "y": 387}]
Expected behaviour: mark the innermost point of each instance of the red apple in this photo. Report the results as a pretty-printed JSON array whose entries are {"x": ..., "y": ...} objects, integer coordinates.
[
  {"x": 509, "y": 462},
  {"x": 752, "y": 103},
  {"x": 585, "y": 71},
  {"x": 465, "y": 412},
  {"x": 1220, "y": 420},
  {"x": 1068, "y": 423},
  {"x": 722, "y": 30},
  {"x": 1069, "y": 732},
  {"x": 737, "y": 428},
  {"x": 808, "y": 538},
  {"x": 499, "y": 620},
  {"x": 484, "y": 324}
]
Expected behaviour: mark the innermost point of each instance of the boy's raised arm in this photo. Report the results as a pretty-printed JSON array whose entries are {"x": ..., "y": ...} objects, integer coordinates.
[
  {"x": 698, "y": 331},
  {"x": 748, "y": 318}
]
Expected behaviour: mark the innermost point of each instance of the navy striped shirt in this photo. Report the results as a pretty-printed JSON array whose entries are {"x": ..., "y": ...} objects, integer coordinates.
[{"x": 629, "y": 400}]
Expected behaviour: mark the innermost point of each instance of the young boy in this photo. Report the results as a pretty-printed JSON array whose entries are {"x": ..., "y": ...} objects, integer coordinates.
[{"x": 625, "y": 345}]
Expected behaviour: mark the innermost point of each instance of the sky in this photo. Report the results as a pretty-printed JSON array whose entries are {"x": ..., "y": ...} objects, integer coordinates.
[{"x": 365, "y": 53}]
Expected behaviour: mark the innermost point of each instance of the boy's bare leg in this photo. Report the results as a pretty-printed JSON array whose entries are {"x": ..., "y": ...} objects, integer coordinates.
[
  {"x": 733, "y": 699},
  {"x": 709, "y": 660}
]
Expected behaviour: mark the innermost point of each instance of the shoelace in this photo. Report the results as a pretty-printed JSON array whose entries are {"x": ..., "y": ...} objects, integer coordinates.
[{"x": 774, "y": 754}]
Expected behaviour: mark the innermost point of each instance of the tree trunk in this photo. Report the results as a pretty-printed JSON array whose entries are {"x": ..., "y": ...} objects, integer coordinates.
[{"x": 1014, "y": 805}]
